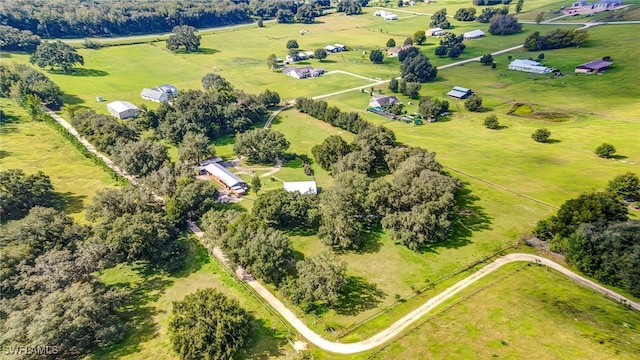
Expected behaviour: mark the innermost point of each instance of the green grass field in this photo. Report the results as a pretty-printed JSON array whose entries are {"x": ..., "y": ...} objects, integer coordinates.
[{"x": 36, "y": 146}]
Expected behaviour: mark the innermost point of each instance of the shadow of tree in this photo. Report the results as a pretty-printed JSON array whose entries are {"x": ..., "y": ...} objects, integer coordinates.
[
  {"x": 83, "y": 72},
  {"x": 70, "y": 99},
  {"x": 196, "y": 257},
  {"x": 371, "y": 240},
  {"x": 206, "y": 51},
  {"x": 265, "y": 342},
  {"x": 358, "y": 295},
  {"x": 70, "y": 202},
  {"x": 4, "y": 154}
]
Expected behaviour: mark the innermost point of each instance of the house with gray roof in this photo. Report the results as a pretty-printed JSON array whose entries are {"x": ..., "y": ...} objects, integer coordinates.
[
  {"x": 160, "y": 93},
  {"x": 383, "y": 100}
]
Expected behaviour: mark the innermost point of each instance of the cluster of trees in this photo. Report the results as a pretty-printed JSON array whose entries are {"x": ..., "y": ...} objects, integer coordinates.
[
  {"x": 474, "y": 103},
  {"x": 320, "y": 110},
  {"x": 488, "y": 13},
  {"x": 465, "y": 14},
  {"x": 432, "y": 108},
  {"x": 491, "y": 2},
  {"x": 69, "y": 18},
  {"x": 184, "y": 36},
  {"x": 595, "y": 234},
  {"x": 439, "y": 19},
  {"x": 376, "y": 56},
  {"x": 20, "y": 192},
  {"x": 12, "y": 39},
  {"x": 555, "y": 39},
  {"x": 451, "y": 45},
  {"x": 56, "y": 55},
  {"x": 21, "y": 81},
  {"x": 261, "y": 145},
  {"x": 351, "y": 7},
  {"x": 415, "y": 67},
  {"x": 103, "y": 131},
  {"x": 288, "y": 210},
  {"x": 218, "y": 111},
  {"x": 410, "y": 89},
  {"x": 504, "y": 25}
]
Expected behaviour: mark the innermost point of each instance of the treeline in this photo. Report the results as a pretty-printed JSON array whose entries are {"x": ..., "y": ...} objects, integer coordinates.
[
  {"x": 12, "y": 39},
  {"x": 555, "y": 39},
  {"x": 69, "y": 18},
  {"x": 320, "y": 109},
  {"x": 596, "y": 235},
  {"x": 21, "y": 81}
]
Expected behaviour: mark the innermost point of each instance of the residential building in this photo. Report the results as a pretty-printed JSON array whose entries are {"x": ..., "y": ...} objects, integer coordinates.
[
  {"x": 593, "y": 67},
  {"x": 303, "y": 72},
  {"x": 303, "y": 187},
  {"x": 382, "y": 100},
  {"x": 394, "y": 51},
  {"x": 226, "y": 178},
  {"x": 529, "y": 66},
  {"x": 122, "y": 109}
]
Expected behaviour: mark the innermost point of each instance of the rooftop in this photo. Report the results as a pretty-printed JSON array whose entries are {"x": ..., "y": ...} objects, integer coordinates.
[
  {"x": 223, "y": 174},
  {"x": 303, "y": 187},
  {"x": 121, "y": 106},
  {"x": 596, "y": 64}
]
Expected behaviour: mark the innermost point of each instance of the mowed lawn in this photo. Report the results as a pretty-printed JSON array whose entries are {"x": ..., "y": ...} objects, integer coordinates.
[{"x": 36, "y": 146}]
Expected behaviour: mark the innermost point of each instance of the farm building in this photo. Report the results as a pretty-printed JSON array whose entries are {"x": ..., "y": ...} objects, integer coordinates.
[
  {"x": 529, "y": 66},
  {"x": 159, "y": 93},
  {"x": 340, "y": 47},
  {"x": 331, "y": 48},
  {"x": 380, "y": 13},
  {"x": 227, "y": 179},
  {"x": 394, "y": 51},
  {"x": 390, "y": 17},
  {"x": 593, "y": 67},
  {"x": 383, "y": 100},
  {"x": 122, "y": 109},
  {"x": 459, "y": 92},
  {"x": 303, "y": 187},
  {"x": 310, "y": 54},
  {"x": 303, "y": 72},
  {"x": 435, "y": 32},
  {"x": 474, "y": 34}
]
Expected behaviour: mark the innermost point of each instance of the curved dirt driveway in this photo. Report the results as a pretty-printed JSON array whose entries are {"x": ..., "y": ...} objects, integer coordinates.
[{"x": 403, "y": 323}]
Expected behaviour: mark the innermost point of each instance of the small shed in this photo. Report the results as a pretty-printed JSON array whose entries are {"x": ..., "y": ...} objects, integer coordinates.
[
  {"x": 593, "y": 67},
  {"x": 475, "y": 34},
  {"x": 303, "y": 187},
  {"x": 122, "y": 109},
  {"x": 390, "y": 17}
]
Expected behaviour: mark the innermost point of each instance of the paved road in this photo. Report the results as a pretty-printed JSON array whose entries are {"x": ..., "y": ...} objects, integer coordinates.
[{"x": 397, "y": 327}]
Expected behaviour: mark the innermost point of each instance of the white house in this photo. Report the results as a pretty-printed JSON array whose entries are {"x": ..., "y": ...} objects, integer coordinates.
[
  {"x": 303, "y": 72},
  {"x": 473, "y": 34},
  {"x": 390, "y": 17},
  {"x": 303, "y": 187},
  {"x": 154, "y": 95},
  {"x": 529, "y": 66},
  {"x": 122, "y": 109}
]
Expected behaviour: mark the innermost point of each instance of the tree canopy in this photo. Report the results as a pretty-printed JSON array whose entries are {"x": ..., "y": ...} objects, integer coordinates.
[
  {"x": 465, "y": 14},
  {"x": 12, "y": 39},
  {"x": 418, "y": 69},
  {"x": 330, "y": 151},
  {"x": 261, "y": 145},
  {"x": 287, "y": 210},
  {"x": 209, "y": 325},
  {"x": 376, "y": 56},
  {"x": 20, "y": 192},
  {"x": 555, "y": 39},
  {"x": 605, "y": 150},
  {"x": 541, "y": 135},
  {"x": 140, "y": 157},
  {"x": 439, "y": 19},
  {"x": 184, "y": 36},
  {"x": 504, "y": 25},
  {"x": 56, "y": 54},
  {"x": 625, "y": 185}
]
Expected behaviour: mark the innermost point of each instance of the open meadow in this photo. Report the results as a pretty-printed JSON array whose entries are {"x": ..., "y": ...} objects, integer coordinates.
[{"x": 510, "y": 181}]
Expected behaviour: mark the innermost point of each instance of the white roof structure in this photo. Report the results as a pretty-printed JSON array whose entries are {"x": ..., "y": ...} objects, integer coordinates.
[
  {"x": 121, "y": 106},
  {"x": 303, "y": 187},
  {"x": 153, "y": 94},
  {"x": 473, "y": 34},
  {"x": 167, "y": 89},
  {"x": 224, "y": 175},
  {"x": 529, "y": 66},
  {"x": 390, "y": 17}
]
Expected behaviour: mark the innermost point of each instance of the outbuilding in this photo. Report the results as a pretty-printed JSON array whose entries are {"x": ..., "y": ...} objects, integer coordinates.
[
  {"x": 303, "y": 187},
  {"x": 390, "y": 17},
  {"x": 529, "y": 66},
  {"x": 154, "y": 95},
  {"x": 434, "y": 32},
  {"x": 459, "y": 92},
  {"x": 122, "y": 109},
  {"x": 331, "y": 48},
  {"x": 475, "y": 34},
  {"x": 225, "y": 178},
  {"x": 593, "y": 67}
]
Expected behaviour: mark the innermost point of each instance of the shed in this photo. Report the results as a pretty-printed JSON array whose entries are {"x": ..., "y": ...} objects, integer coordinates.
[
  {"x": 529, "y": 66},
  {"x": 303, "y": 187},
  {"x": 154, "y": 95},
  {"x": 474, "y": 34},
  {"x": 459, "y": 92},
  {"x": 434, "y": 31},
  {"x": 122, "y": 109},
  {"x": 331, "y": 48},
  {"x": 340, "y": 47},
  {"x": 225, "y": 178},
  {"x": 593, "y": 67},
  {"x": 390, "y": 17}
]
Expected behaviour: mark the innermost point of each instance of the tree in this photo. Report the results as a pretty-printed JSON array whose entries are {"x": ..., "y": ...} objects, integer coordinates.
[
  {"x": 441, "y": 51},
  {"x": 194, "y": 147},
  {"x": 626, "y": 185},
  {"x": 418, "y": 69},
  {"x": 454, "y": 52},
  {"x": 491, "y": 122},
  {"x": 539, "y": 17},
  {"x": 391, "y": 43},
  {"x": 292, "y": 44},
  {"x": 284, "y": 16},
  {"x": 555, "y": 39},
  {"x": 184, "y": 36},
  {"x": 191, "y": 200},
  {"x": 209, "y": 325},
  {"x": 261, "y": 145},
  {"x": 400, "y": 3},
  {"x": 140, "y": 157},
  {"x": 272, "y": 62},
  {"x": 468, "y": 14},
  {"x": 419, "y": 37},
  {"x": 431, "y": 108},
  {"x": 215, "y": 82},
  {"x": 330, "y": 151},
  {"x": 605, "y": 150},
  {"x": 490, "y": 12},
  {"x": 20, "y": 192},
  {"x": 376, "y": 56},
  {"x": 439, "y": 19},
  {"x": 486, "y": 59},
  {"x": 320, "y": 54},
  {"x": 350, "y": 7},
  {"x": 110, "y": 204},
  {"x": 393, "y": 85},
  {"x": 306, "y": 14},
  {"x": 519, "y": 6},
  {"x": 474, "y": 103},
  {"x": 541, "y": 135},
  {"x": 287, "y": 210},
  {"x": 541, "y": 56},
  {"x": 504, "y": 25},
  {"x": 269, "y": 98},
  {"x": 409, "y": 52},
  {"x": 412, "y": 90},
  {"x": 321, "y": 278},
  {"x": 56, "y": 55},
  {"x": 256, "y": 184},
  {"x": 260, "y": 22},
  {"x": 408, "y": 41}
]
